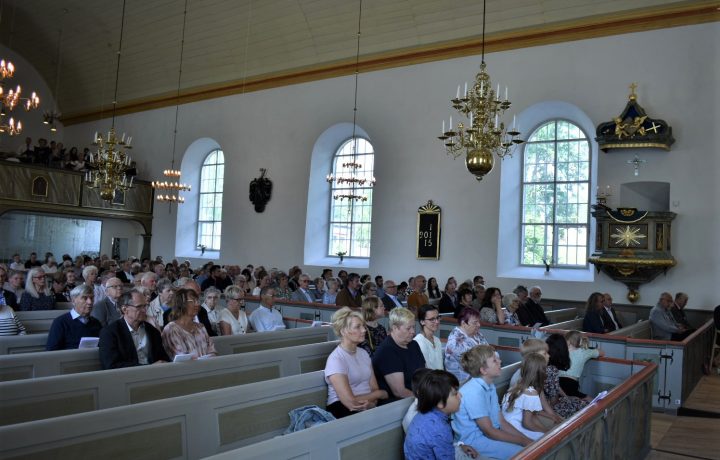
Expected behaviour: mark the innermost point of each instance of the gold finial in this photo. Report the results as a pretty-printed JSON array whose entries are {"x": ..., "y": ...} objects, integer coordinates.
[{"x": 633, "y": 87}]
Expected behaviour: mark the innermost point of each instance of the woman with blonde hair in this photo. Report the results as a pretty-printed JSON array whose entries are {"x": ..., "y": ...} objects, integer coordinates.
[
  {"x": 37, "y": 294},
  {"x": 233, "y": 320},
  {"x": 399, "y": 356},
  {"x": 372, "y": 310},
  {"x": 352, "y": 386}
]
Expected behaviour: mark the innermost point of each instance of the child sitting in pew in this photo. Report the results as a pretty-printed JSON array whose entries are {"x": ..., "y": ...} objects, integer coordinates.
[
  {"x": 522, "y": 404},
  {"x": 579, "y": 352},
  {"x": 429, "y": 435},
  {"x": 479, "y": 422}
]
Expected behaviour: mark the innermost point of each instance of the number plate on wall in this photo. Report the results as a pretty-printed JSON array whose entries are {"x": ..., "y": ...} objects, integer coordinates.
[{"x": 428, "y": 231}]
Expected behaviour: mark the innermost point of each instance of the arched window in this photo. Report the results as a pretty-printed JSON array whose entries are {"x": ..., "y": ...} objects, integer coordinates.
[
  {"x": 350, "y": 219},
  {"x": 209, "y": 222},
  {"x": 556, "y": 196}
]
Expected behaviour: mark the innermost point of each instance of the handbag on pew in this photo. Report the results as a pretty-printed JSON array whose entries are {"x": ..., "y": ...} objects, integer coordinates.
[{"x": 307, "y": 416}]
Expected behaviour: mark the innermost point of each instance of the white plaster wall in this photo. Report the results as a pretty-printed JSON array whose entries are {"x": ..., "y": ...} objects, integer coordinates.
[{"x": 401, "y": 110}]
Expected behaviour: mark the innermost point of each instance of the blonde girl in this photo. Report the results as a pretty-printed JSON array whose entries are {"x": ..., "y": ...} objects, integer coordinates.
[{"x": 580, "y": 353}]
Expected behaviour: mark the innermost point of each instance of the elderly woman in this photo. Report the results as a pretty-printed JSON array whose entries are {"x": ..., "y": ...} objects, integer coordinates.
[
  {"x": 369, "y": 289},
  {"x": 399, "y": 356},
  {"x": 9, "y": 323},
  {"x": 465, "y": 336},
  {"x": 282, "y": 290},
  {"x": 90, "y": 275},
  {"x": 330, "y": 295},
  {"x": 430, "y": 345},
  {"x": 511, "y": 303},
  {"x": 212, "y": 296},
  {"x": 233, "y": 320},
  {"x": 352, "y": 386},
  {"x": 241, "y": 282},
  {"x": 159, "y": 305},
  {"x": 182, "y": 335},
  {"x": 372, "y": 310},
  {"x": 491, "y": 307},
  {"x": 37, "y": 295}
]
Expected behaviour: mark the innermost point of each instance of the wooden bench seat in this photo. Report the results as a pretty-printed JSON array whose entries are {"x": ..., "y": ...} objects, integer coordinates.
[
  {"x": 639, "y": 330},
  {"x": 619, "y": 423},
  {"x": 47, "y": 397}
]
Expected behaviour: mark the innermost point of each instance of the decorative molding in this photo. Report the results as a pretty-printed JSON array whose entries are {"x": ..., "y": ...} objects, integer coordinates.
[{"x": 591, "y": 27}]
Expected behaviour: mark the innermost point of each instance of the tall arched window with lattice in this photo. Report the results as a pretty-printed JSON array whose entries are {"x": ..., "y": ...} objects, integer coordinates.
[
  {"x": 209, "y": 222},
  {"x": 350, "y": 220},
  {"x": 556, "y": 196}
]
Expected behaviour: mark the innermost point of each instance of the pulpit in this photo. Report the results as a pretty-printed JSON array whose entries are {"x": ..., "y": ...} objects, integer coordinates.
[{"x": 631, "y": 246}]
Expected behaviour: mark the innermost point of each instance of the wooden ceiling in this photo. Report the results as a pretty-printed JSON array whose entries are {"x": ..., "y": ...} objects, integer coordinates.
[{"x": 243, "y": 45}]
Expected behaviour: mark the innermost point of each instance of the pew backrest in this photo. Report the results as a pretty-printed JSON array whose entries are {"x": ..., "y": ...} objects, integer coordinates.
[
  {"x": 180, "y": 427},
  {"x": 14, "y": 344},
  {"x": 573, "y": 324},
  {"x": 46, "y": 397},
  {"x": 49, "y": 363},
  {"x": 564, "y": 314},
  {"x": 639, "y": 330},
  {"x": 37, "y": 322}
]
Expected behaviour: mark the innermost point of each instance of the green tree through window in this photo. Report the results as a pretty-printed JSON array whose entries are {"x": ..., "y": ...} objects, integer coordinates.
[{"x": 555, "y": 196}]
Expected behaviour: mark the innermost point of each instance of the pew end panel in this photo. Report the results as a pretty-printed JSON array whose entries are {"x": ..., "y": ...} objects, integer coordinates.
[{"x": 16, "y": 344}]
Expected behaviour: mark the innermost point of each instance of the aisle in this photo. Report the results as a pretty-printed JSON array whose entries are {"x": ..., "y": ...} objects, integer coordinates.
[{"x": 683, "y": 437}]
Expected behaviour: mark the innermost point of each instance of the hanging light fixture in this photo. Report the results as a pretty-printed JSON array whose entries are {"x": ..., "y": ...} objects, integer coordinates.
[
  {"x": 53, "y": 115},
  {"x": 485, "y": 134},
  {"x": 170, "y": 187},
  {"x": 354, "y": 176},
  {"x": 12, "y": 98},
  {"x": 108, "y": 166}
]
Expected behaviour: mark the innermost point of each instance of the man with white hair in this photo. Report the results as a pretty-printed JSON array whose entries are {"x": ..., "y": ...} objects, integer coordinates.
[
  {"x": 67, "y": 329},
  {"x": 90, "y": 275},
  {"x": 108, "y": 310},
  {"x": 303, "y": 294}
]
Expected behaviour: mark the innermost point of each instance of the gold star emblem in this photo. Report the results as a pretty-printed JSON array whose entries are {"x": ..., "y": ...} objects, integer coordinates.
[{"x": 628, "y": 236}]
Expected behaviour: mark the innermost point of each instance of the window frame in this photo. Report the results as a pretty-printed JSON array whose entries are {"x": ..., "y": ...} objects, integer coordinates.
[
  {"x": 347, "y": 141},
  {"x": 218, "y": 195},
  {"x": 554, "y": 244}
]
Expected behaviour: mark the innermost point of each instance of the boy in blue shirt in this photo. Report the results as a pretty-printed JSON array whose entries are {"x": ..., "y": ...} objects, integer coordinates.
[
  {"x": 429, "y": 436},
  {"x": 479, "y": 422}
]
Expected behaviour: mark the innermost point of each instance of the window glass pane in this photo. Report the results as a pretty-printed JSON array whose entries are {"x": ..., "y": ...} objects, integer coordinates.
[
  {"x": 350, "y": 219},
  {"x": 210, "y": 200},
  {"x": 556, "y": 172}
]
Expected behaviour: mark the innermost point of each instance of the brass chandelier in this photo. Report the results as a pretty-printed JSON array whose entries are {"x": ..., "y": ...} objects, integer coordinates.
[
  {"x": 354, "y": 177},
  {"x": 107, "y": 171},
  {"x": 12, "y": 98},
  {"x": 169, "y": 188},
  {"x": 485, "y": 134}
]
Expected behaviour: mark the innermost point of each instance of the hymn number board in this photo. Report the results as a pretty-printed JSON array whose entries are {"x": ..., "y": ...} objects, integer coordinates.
[{"x": 428, "y": 231}]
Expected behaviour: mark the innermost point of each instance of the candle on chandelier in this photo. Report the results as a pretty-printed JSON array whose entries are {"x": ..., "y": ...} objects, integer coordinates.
[
  {"x": 465, "y": 89},
  {"x": 443, "y": 131},
  {"x": 497, "y": 93},
  {"x": 457, "y": 95},
  {"x": 506, "y": 93},
  {"x": 496, "y": 120},
  {"x": 451, "y": 125},
  {"x": 513, "y": 118},
  {"x": 471, "y": 119}
]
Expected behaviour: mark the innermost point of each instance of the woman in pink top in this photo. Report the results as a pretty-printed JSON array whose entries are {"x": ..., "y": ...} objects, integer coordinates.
[{"x": 183, "y": 334}]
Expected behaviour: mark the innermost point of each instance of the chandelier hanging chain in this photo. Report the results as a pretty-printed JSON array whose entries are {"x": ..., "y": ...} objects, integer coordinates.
[
  {"x": 110, "y": 164},
  {"x": 351, "y": 179},
  {"x": 171, "y": 185},
  {"x": 486, "y": 134}
]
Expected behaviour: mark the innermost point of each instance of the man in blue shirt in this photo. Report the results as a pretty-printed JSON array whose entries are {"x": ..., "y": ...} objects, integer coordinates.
[
  {"x": 265, "y": 318},
  {"x": 67, "y": 329}
]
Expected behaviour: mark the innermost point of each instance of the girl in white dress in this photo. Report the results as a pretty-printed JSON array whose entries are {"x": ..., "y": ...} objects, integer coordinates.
[
  {"x": 522, "y": 404},
  {"x": 232, "y": 320}
]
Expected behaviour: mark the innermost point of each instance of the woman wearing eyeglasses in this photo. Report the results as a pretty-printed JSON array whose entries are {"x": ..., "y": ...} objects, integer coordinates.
[
  {"x": 182, "y": 335},
  {"x": 37, "y": 295},
  {"x": 464, "y": 337},
  {"x": 429, "y": 318},
  {"x": 233, "y": 320}
]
